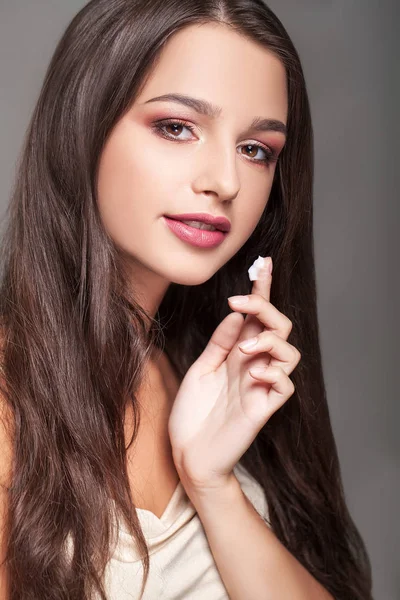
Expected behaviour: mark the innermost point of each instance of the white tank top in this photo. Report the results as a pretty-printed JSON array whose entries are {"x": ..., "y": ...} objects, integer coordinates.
[{"x": 182, "y": 566}]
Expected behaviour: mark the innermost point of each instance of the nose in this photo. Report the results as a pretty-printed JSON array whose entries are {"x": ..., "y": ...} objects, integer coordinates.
[{"x": 217, "y": 172}]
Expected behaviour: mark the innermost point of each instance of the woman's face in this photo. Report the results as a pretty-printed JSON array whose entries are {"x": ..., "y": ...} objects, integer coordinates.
[{"x": 221, "y": 167}]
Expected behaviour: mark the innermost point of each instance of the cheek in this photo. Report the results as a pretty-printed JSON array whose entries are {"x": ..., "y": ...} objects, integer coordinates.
[
  {"x": 132, "y": 184},
  {"x": 252, "y": 205}
]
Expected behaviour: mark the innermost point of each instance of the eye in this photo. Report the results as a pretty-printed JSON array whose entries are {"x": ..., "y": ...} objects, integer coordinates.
[
  {"x": 160, "y": 128},
  {"x": 271, "y": 157}
]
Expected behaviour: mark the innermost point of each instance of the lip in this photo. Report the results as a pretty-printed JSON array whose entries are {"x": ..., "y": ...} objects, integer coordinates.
[
  {"x": 221, "y": 223},
  {"x": 196, "y": 237}
]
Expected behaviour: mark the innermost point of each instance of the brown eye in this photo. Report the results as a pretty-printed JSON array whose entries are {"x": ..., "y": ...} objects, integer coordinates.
[
  {"x": 176, "y": 126},
  {"x": 254, "y": 149},
  {"x": 161, "y": 128},
  {"x": 173, "y": 127}
]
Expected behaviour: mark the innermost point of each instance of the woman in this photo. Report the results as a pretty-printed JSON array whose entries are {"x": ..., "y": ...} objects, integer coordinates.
[{"x": 127, "y": 400}]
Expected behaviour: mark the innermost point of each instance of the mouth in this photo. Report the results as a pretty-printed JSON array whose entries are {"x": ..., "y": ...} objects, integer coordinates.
[
  {"x": 195, "y": 236},
  {"x": 203, "y": 221}
]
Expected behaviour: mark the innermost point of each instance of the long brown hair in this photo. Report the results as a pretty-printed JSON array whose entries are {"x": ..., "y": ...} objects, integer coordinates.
[{"x": 76, "y": 342}]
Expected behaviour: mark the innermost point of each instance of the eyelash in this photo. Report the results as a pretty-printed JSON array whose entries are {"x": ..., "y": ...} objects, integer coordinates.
[{"x": 159, "y": 125}]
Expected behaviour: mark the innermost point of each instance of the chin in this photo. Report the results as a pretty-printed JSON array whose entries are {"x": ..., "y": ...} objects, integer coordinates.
[
  {"x": 192, "y": 279},
  {"x": 190, "y": 274}
]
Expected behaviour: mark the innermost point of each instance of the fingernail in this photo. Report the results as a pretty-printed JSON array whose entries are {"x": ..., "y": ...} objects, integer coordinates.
[
  {"x": 238, "y": 299},
  {"x": 248, "y": 343}
]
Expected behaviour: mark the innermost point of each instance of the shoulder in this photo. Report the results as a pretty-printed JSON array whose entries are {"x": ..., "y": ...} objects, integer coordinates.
[
  {"x": 6, "y": 429},
  {"x": 6, "y": 435}
]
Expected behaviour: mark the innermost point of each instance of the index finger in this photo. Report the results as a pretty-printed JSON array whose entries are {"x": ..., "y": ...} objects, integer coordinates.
[{"x": 262, "y": 285}]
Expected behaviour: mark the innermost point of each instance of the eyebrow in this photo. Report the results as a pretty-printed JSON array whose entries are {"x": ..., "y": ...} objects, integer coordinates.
[{"x": 208, "y": 109}]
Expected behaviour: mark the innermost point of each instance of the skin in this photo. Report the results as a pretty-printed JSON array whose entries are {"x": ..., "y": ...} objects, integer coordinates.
[{"x": 142, "y": 176}]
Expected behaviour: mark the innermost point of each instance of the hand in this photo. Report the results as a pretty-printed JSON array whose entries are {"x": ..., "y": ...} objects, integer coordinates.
[{"x": 222, "y": 402}]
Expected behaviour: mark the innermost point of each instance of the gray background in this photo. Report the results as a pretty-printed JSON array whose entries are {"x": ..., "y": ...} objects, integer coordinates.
[{"x": 350, "y": 54}]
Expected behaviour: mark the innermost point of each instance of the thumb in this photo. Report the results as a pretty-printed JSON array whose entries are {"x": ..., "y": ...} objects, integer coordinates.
[{"x": 221, "y": 343}]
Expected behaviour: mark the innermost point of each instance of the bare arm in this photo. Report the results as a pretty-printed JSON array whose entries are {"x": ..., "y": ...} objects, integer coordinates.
[{"x": 252, "y": 562}]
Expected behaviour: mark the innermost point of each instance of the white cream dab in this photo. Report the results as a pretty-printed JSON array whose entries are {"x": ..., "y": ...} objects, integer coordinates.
[{"x": 255, "y": 267}]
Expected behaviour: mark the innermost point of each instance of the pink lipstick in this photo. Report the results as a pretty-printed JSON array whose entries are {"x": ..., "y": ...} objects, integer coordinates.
[{"x": 201, "y": 238}]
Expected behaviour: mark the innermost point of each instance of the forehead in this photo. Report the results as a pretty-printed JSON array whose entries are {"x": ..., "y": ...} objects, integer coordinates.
[{"x": 212, "y": 61}]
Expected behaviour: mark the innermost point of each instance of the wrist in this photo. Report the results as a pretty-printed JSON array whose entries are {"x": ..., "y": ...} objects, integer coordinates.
[{"x": 217, "y": 494}]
